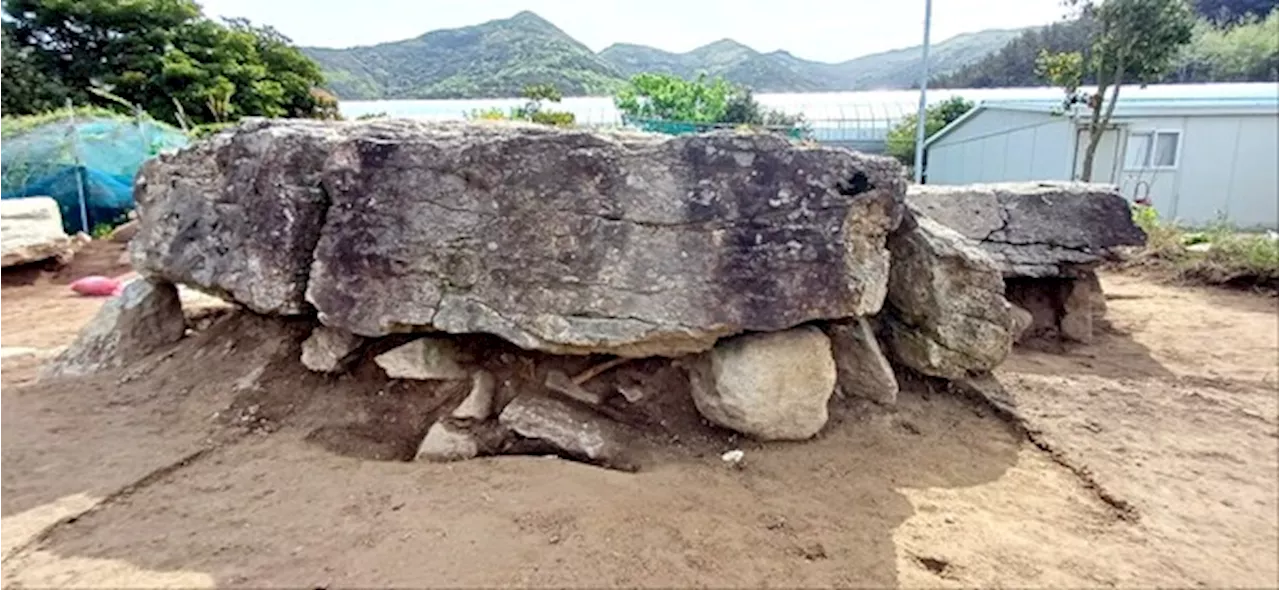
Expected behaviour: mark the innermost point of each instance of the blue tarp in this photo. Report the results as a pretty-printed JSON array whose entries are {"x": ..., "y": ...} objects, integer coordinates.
[{"x": 100, "y": 155}]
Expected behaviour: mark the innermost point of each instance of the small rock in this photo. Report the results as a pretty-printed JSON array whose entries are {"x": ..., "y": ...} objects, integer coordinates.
[
  {"x": 427, "y": 358},
  {"x": 330, "y": 350},
  {"x": 478, "y": 404},
  {"x": 813, "y": 551},
  {"x": 143, "y": 318},
  {"x": 733, "y": 458},
  {"x": 445, "y": 443},
  {"x": 573, "y": 429},
  {"x": 632, "y": 392},
  {"x": 1076, "y": 322},
  {"x": 1019, "y": 321},
  {"x": 861, "y": 366},
  {"x": 772, "y": 386}
]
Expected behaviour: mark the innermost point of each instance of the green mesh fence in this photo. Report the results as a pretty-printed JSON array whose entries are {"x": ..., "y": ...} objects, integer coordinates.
[{"x": 84, "y": 159}]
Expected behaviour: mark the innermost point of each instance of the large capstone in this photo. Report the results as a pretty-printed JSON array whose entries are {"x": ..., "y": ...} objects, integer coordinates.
[
  {"x": 946, "y": 314},
  {"x": 561, "y": 240},
  {"x": 237, "y": 214},
  {"x": 1039, "y": 229}
]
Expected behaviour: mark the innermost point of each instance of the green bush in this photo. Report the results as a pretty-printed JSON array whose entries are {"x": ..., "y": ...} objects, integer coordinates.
[{"x": 1217, "y": 256}]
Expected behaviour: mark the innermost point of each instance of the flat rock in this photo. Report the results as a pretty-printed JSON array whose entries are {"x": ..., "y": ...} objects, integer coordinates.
[
  {"x": 946, "y": 313},
  {"x": 861, "y": 366},
  {"x": 1034, "y": 229},
  {"x": 445, "y": 442},
  {"x": 573, "y": 242},
  {"x": 330, "y": 350},
  {"x": 237, "y": 214},
  {"x": 427, "y": 358},
  {"x": 31, "y": 231},
  {"x": 771, "y": 386},
  {"x": 478, "y": 405},
  {"x": 143, "y": 318},
  {"x": 574, "y": 430}
]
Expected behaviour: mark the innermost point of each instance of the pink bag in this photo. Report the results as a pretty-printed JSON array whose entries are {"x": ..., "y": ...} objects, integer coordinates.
[{"x": 97, "y": 286}]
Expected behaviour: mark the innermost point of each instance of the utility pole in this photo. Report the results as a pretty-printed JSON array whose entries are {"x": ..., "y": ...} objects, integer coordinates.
[{"x": 924, "y": 85}]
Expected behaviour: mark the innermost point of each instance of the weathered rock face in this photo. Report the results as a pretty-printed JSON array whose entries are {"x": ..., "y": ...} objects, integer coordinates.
[
  {"x": 565, "y": 241},
  {"x": 772, "y": 386},
  {"x": 143, "y": 318},
  {"x": 573, "y": 242},
  {"x": 1034, "y": 229},
  {"x": 329, "y": 350},
  {"x": 946, "y": 315},
  {"x": 238, "y": 214},
  {"x": 861, "y": 366},
  {"x": 31, "y": 231}
]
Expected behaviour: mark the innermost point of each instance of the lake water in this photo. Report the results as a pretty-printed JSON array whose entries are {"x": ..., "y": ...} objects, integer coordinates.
[{"x": 834, "y": 116}]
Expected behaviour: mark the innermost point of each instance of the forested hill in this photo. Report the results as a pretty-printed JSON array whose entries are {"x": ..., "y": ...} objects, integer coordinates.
[
  {"x": 1230, "y": 44},
  {"x": 779, "y": 71},
  {"x": 500, "y": 57},
  {"x": 497, "y": 58}
]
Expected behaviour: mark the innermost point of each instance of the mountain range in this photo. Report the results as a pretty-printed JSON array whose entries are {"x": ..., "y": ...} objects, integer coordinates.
[{"x": 499, "y": 58}]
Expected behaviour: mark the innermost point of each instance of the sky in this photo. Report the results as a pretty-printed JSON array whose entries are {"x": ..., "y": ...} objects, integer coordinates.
[{"x": 824, "y": 30}]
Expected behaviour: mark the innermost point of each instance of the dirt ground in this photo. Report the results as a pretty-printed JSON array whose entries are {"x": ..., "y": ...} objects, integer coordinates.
[{"x": 1146, "y": 459}]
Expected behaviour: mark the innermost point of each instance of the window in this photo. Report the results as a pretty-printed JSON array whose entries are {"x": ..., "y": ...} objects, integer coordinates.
[{"x": 1152, "y": 149}]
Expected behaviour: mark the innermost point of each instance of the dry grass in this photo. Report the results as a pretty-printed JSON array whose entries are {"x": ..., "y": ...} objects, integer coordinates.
[{"x": 1218, "y": 256}]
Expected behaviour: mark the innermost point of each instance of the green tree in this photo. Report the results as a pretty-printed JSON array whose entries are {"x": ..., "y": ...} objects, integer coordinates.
[
  {"x": 901, "y": 140},
  {"x": 671, "y": 98},
  {"x": 163, "y": 56},
  {"x": 27, "y": 88},
  {"x": 1132, "y": 40},
  {"x": 702, "y": 101}
]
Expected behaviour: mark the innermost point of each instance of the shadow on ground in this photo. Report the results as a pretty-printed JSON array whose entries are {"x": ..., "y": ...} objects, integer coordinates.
[{"x": 259, "y": 505}]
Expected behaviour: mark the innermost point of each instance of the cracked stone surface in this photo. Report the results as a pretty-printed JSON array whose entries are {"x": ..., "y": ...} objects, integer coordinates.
[
  {"x": 237, "y": 215},
  {"x": 561, "y": 240},
  {"x": 1034, "y": 229},
  {"x": 946, "y": 315},
  {"x": 574, "y": 242}
]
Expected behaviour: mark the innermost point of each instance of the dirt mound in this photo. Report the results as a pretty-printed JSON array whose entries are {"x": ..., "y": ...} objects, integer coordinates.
[{"x": 251, "y": 363}]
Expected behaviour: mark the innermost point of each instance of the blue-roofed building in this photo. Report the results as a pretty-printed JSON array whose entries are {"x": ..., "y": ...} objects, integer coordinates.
[{"x": 1199, "y": 153}]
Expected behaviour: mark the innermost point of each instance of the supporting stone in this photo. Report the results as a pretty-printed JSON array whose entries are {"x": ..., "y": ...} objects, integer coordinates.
[
  {"x": 576, "y": 431},
  {"x": 145, "y": 317},
  {"x": 946, "y": 314},
  {"x": 771, "y": 386},
  {"x": 861, "y": 366},
  {"x": 329, "y": 350},
  {"x": 427, "y": 358}
]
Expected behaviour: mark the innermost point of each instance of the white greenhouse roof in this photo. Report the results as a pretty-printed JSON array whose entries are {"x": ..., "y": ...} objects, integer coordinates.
[{"x": 1154, "y": 100}]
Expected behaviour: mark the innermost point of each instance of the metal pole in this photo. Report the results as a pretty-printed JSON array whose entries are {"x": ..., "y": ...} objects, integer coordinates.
[
  {"x": 73, "y": 136},
  {"x": 924, "y": 85}
]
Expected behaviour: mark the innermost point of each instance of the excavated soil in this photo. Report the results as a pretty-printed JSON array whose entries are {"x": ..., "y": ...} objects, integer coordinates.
[{"x": 1147, "y": 458}]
